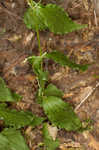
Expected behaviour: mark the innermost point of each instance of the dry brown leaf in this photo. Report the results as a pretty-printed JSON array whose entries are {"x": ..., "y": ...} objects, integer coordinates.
[
  {"x": 68, "y": 95},
  {"x": 30, "y": 77},
  {"x": 28, "y": 130},
  {"x": 52, "y": 131},
  {"x": 83, "y": 93},
  {"x": 71, "y": 145},
  {"x": 85, "y": 2},
  {"x": 92, "y": 141},
  {"x": 15, "y": 38},
  {"x": 28, "y": 38}
]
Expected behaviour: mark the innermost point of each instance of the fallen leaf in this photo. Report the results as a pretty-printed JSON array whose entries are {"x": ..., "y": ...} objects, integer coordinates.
[
  {"x": 15, "y": 38},
  {"x": 52, "y": 131},
  {"x": 28, "y": 38},
  {"x": 71, "y": 145},
  {"x": 67, "y": 95},
  {"x": 92, "y": 141}
]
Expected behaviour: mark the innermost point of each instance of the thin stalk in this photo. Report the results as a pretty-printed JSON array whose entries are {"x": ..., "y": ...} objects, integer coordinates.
[
  {"x": 41, "y": 52},
  {"x": 31, "y": 3},
  {"x": 39, "y": 44}
]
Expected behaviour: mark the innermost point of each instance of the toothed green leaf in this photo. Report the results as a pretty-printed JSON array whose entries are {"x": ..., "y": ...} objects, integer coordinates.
[
  {"x": 16, "y": 119},
  {"x": 11, "y": 139},
  {"x": 4, "y": 143},
  {"x": 35, "y": 61},
  {"x": 5, "y": 93},
  {"x": 61, "y": 113},
  {"x": 63, "y": 60},
  {"x": 33, "y": 19},
  {"x": 49, "y": 143},
  {"x": 43, "y": 77},
  {"x": 52, "y": 90},
  {"x": 50, "y": 16},
  {"x": 57, "y": 20},
  {"x": 37, "y": 121}
]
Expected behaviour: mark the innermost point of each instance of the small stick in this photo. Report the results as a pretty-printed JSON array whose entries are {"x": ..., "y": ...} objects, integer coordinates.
[
  {"x": 79, "y": 105},
  {"x": 96, "y": 22}
]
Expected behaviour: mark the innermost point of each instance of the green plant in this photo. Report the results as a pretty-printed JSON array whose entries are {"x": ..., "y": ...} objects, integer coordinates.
[
  {"x": 40, "y": 17},
  {"x": 13, "y": 120},
  {"x": 60, "y": 113},
  {"x": 11, "y": 139}
]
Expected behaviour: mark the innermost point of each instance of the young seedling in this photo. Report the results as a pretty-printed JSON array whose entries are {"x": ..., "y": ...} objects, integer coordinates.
[
  {"x": 39, "y": 17},
  {"x": 13, "y": 120}
]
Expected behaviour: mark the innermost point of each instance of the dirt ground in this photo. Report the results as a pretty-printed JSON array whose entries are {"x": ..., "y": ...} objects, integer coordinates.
[{"x": 17, "y": 43}]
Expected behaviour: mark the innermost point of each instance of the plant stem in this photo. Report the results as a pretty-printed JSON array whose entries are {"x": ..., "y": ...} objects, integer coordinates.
[
  {"x": 40, "y": 51},
  {"x": 39, "y": 44},
  {"x": 31, "y": 3}
]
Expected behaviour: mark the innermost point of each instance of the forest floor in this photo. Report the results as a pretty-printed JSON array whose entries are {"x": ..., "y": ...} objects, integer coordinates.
[{"x": 82, "y": 46}]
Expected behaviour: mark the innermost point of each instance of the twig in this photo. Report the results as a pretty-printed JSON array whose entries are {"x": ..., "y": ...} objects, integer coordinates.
[
  {"x": 96, "y": 22},
  {"x": 79, "y": 105}
]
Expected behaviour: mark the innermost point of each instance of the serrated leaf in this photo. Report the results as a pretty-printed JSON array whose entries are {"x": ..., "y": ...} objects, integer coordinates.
[
  {"x": 57, "y": 20},
  {"x": 63, "y": 60},
  {"x": 50, "y": 144},
  {"x": 42, "y": 76},
  {"x": 50, "y": 16},
  {"x": 52, "y": 90},
  {"x": 4, "y": 143},
  {"x": 61, "y": 113},
  {"x": 37, "y": 121},
  {"x": 35, "y": 61},
  {"x": 5, "y": 93},
  {"x": 33, "y": 19},
  {"x": 13, "y": 118},
  {"x": 11, "y": 139}
]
